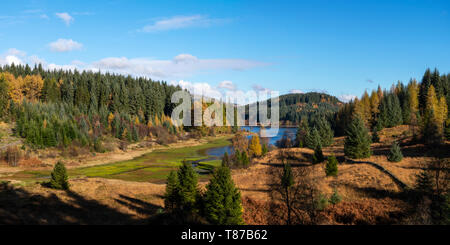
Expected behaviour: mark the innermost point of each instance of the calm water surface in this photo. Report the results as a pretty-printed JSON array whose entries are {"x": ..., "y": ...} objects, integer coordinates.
[{"x": 218, "y": 152}]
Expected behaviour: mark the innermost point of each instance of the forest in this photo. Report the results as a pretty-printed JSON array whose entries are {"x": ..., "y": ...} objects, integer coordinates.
[{"x": 57, "y": 108}]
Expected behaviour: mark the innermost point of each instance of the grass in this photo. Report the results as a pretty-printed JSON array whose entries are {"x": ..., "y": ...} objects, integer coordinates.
[{"x": 152, "y": 167}]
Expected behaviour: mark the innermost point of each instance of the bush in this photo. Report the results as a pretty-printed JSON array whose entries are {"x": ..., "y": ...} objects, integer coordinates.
[
  {"x": 396, "y": 153},
  {"x": 59, "y": 178},
  {"x": 331, "y": 169},
  {"x": 98, "y": 146},
  {"x": 335, "y": 197},
  {"x": 321, "y": 203}
]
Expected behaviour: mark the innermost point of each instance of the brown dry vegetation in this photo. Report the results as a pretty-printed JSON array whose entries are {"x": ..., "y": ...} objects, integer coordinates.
[{"x": 370, "y": 195}]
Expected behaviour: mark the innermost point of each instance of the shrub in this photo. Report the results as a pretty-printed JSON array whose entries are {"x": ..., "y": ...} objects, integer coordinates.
[
  {"x": 331, "y": 168},
  {"x": 265, "y": 149},
  {"x": 59, "y": 178},
  {"x": 335, "y": 197},
  {"x": 98, "y": 146},
  {"x": 396, "y": 153},
  {"x": 321, "y": 203}
]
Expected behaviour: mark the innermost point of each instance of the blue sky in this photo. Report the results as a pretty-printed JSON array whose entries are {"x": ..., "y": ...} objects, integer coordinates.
[{"x": 341, "y": 47}]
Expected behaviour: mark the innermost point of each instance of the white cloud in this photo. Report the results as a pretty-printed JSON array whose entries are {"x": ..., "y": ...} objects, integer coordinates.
[
  {"x": 16, "y": 52},
  {"x": 65, "y": 45},
  {"x": 259, "y": 88},
  {"x": 12, "y": 59},
  {"x": 227, "y": 85},
  {"x": 181, "y": 66},
  {"x": 44, "y": 16},
  {"x": 296, "y": 91},
  {"x": 346, "y": 97},
  {"x": 180, "y": 22},
  {"x": 66, "y": 18}
]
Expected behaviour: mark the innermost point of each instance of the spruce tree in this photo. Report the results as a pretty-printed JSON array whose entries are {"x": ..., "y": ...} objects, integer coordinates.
[
  {"x": 318, "y": 155},
  {"x": 222, "y": 199},
  {"x": 357, "y": 143},
  {"x": 245, "y": 160},
  {"x": 226, "y": 160},
  {"x": 59, "y": 178},
  {"x": 424, "y": 182},
  {"x": 187, "y": 179},
  {"x": 375, "y": 136},
  {"x": 313, "y": 139},
  {"x": 447, "y": 129},
  {"x": 172, "y": 195},
  {"x": 302, "y": 132},
  {"x": 395, "y": 153},
  {"x": 331, "y": 168},
  {"x": 264, "y": 149},
  {"x": 325, "y": 132},
  {"x": 287, "y": 181}
]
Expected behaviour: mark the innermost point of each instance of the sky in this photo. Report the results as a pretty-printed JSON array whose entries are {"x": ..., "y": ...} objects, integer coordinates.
[{"x": 338, "y": 47}]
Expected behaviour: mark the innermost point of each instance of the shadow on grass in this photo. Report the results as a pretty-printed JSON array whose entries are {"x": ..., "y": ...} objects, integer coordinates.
[{"x": 19, "y": 207}]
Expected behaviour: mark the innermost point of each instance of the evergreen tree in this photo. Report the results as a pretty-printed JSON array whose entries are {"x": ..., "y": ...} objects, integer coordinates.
[
  {"x": 357, "y": 142},
  {"x": 318, "y": 154},
  {"x": 4, "y": 96},
  {"x": 188, "y": 191},
  {"x": 325, "y": 132},
  {"x": 331, "y": 168},
  {"x": 375, "y": 136},
  {"x": 59, "y": 178},
  {"x": 302, "y": 132},
  {"x": 313, "y": 139},
  {"x": 424, "y": 182},
  {"x": 447, "y": 129},
  {"x": 395, "y": 153},
  {"x": 335, "y": 197},
  {"x": 172, "y": 195},
  {"x": 287, "y": 182},
  {"x": 245, "y": 159},
  {"x": 265, "y": 149},
  {"x": 222, "y": 199},
  {"x": 226, "y": 160}
]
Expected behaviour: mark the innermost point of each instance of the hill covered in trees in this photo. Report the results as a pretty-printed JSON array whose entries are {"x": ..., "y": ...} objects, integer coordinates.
[
  {"x": 57, "y": 108},
  {"x": 307, "y": 106}
]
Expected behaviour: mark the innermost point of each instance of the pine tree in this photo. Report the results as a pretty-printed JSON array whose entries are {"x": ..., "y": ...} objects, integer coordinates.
[
  {"x": 447, "y": 129},
  {"x": 245, "y": 159},
  {"x": 264, "y": 149},
  {"x": 222, "y": 199},
  {"x": 255, "y": 146},
  {"x": 325, "y": 132},
  {"x": 172, "y": 195},
  {"x": 59, "y": 178},
  {"x": 424, "y": 182},
  {"x": 318, "y": 155},
  {"x": 357, "y": 142},
  {"x": 375, "y": 136},
  {"x": 331, "y": 168},
  {"x": 287, "y": 182},
  {"x": 302, "y": 132},
  {"x": 313, "y": 139},
  {"x": 395, "y": 153},
  {"x": 187, "y": 179},
  {"x": 4, "y": 96},
  {"x": 226, "y": 160}
]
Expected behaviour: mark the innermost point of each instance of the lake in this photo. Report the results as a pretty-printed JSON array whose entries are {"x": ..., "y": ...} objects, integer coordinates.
[{"x": 291, "y": 132}]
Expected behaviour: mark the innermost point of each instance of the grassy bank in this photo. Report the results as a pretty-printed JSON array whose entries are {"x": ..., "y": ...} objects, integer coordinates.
[{"x": 151, "y": 167}]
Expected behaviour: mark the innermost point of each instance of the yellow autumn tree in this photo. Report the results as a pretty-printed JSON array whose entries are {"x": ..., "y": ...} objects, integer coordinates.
[
  {"x": 110, "y": 120},
  {"x": 255, "y": 148},
  {"x": 14, "y": 87},
  {"x": 32, "y": 87},
  {"x": 374, "y": 105},
  {"x": 363, "y": 108},
  {"x": 413, "y": 99}
]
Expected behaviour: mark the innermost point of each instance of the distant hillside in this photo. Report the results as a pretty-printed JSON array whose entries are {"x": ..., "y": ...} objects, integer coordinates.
[{"x": 294, "y": 107}]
